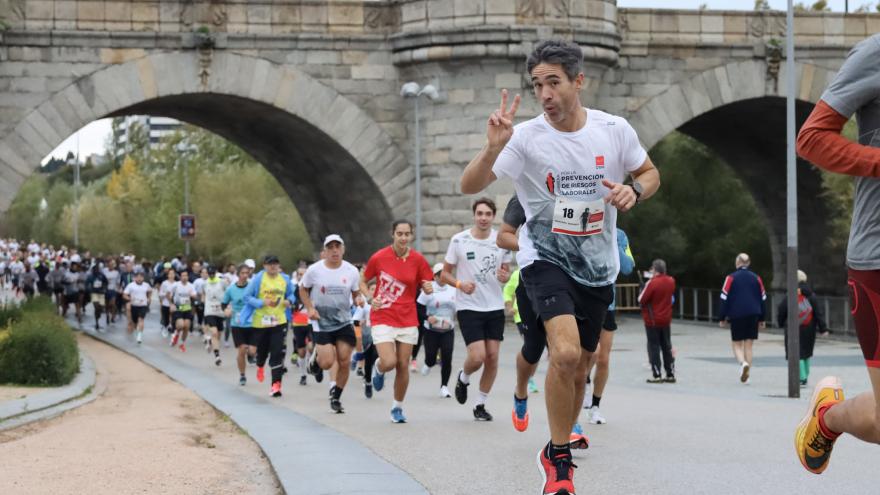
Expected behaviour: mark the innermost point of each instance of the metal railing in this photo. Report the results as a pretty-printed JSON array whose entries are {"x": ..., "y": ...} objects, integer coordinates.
[{"x": 698, "y": 304}]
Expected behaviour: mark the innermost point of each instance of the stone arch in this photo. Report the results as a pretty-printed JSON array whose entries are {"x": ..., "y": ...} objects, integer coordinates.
[
  {"x": 737, "y": 112},
  {"x": 348, "y": 153}
]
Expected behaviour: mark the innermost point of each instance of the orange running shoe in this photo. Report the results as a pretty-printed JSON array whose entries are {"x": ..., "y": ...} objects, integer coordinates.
[
  {"x": 276, "y": 389},
  {"x": 557, "y": 473},
  {"x": 520, "y": 414},
  {"x": 182, "y": 347},
  {"x": 577, "y": 439},
  {"x": 814, "y": 447},
  {"x": 261, "y": 374}
]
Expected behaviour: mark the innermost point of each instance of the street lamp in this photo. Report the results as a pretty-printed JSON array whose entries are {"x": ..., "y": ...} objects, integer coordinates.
[
  {"x": 74, "y": 162},
  {"x": 414, "y": 91},
  {"x": 183, "y": 148}
]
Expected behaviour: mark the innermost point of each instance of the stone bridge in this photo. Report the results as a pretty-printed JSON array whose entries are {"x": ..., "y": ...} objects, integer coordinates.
[{"x": 311, "y": 89}]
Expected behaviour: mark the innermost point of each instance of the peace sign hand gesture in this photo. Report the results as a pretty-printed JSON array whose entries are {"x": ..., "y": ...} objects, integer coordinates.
[{"x": 500, "y": 125}]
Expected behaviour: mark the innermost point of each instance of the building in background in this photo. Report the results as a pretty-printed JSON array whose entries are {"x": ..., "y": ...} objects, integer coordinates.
[{"x": 156, "y": 128}]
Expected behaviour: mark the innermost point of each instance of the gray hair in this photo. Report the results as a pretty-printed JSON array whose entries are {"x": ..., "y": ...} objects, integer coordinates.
[
  {"x": 659, "y": 266},
  {"x": 564, "y": 53},
  {"x": 742, "y": 259}
]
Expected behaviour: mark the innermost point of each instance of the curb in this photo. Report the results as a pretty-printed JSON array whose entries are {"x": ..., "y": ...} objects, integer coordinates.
[
  {"x": 306, "y": 456},
  {"x": 51, "y": 403}
]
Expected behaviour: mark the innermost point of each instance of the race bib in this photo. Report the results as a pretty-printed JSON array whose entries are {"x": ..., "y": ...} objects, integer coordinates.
[
  {"x": 215, "y": 308},
  {"x": 578, "y": 218},
  {"x": 97, "y": 284},
  {"x": 183, "y": 301},
  {"x": 139, "y": 301},
  {"x": 269, "y": 321}
]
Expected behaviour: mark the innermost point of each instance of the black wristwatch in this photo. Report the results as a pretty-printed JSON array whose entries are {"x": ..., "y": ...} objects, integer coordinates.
[{"x": 637, "y": 188}]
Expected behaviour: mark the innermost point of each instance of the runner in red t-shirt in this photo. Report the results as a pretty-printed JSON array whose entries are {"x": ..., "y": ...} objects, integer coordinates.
[{"x": 400, "y": 272}]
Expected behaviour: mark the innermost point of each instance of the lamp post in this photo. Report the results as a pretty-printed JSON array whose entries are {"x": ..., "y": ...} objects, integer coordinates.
[
  {"x": 75, "y": 166},
  {"x": 793, "y": 326},
  {"x": 414, "y": 91},
  {"x": 182, "y": 149}
]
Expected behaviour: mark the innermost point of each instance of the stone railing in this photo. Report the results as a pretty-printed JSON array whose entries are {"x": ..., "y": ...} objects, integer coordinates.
[
  {"x": 691, "y": 27},
  {"x": 231, "y": 16}
]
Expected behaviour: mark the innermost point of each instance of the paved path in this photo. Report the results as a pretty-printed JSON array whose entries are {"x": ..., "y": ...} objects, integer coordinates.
[{"x": 706, "y": 434}]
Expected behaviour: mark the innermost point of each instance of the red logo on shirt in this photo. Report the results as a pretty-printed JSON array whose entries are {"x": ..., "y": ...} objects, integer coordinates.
[
  {"x": 600, "y": 161},
  {"x": 551, "y": 182}
]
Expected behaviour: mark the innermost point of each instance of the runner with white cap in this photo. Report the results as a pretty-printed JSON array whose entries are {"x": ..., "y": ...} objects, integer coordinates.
[{"x": 326, "y": 291}]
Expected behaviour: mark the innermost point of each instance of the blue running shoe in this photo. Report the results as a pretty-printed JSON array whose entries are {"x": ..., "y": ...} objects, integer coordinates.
[
  {"x": 397, "y": 415},
  {"x": 577, "y": 439},
  {"x": 520, "y": 414},
  {"x": 378, "y": 380}
]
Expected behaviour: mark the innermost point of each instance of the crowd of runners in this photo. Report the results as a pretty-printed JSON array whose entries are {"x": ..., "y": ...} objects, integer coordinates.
[{"x": 573, "y": 170}]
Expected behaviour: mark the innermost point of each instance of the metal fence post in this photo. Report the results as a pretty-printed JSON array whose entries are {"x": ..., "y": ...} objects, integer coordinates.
[
  {"x": 696, "y": 306},
  {"x": 710, "y": 303},
  {"x": 681, "y": 303}
]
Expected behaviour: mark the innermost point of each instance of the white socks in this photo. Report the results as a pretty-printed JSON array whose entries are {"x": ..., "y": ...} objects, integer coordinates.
[
  {"x": 481, "y": 398},
  {"x": 396, "y": 404},
  {"x": 464, "y": 377}
]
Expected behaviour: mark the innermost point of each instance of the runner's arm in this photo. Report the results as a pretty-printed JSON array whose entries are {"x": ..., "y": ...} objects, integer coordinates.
[
  {"x": 478, "y": 174},
  {"x": 649, "y": 177},
  {"x": 821, "y": 143}
]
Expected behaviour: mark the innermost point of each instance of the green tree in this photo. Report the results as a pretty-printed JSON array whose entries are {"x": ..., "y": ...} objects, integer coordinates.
[
  {"x": 23, "y": 215},
  {"x": 700, "y": 219}
]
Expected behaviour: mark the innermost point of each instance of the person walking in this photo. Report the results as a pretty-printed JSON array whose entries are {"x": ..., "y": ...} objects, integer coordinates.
[
  {"x": 656, "y": 302},
  {"x": 810, "y": 322},
  {"x": 742, "y": 307}
]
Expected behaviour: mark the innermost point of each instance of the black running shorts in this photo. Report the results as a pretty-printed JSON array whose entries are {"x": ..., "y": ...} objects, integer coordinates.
[
  {"x": 243, "y": 336},
  {"x": 302, "y": 334},
  {"x": 344, "y": 334},
  {"x": 481, "y": 325},
  {"x": 215, "y": 321},
  {"x": 610, "y": 323},
  {"x": 553, "y": 293},
  {"x": 138, "y": 313}
]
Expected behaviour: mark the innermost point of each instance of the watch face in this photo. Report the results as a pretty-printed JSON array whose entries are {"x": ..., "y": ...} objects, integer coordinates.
[{"x": 637, "y": 188}]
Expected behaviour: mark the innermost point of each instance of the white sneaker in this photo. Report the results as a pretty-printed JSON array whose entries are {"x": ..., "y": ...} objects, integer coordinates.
[
  {"x": 140, "y": 337},
  {"x": 164, "y": 333},
  {"x": 226, "y": 344},
  {"x": 744, "y": 372},
  {"x": 595, "y": 417},
  {"x": 425, "y": 370},
  {"x": 444, "y": 392}
]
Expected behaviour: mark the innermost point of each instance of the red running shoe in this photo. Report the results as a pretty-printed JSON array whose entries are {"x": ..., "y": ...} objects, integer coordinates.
[
  {"x": 558, "y": 473},
  {"x": 276, "y": 389},
  {"x": 182, "y": 347},
  {"x": 261, "y": 374},
  {"x": 174, "y": 339}
]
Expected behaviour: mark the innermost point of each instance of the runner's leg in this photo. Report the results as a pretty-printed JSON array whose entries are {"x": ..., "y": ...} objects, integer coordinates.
[
  {"x": 401, "y": 378},
  {"x": 564, "y": 345}
]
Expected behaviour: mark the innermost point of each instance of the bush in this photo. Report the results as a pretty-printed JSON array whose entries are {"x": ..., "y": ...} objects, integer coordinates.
[
  {"x": 8, "y": 314},
  {"x": 39, "y": 349},
  {"x": 39, "y": 304}
]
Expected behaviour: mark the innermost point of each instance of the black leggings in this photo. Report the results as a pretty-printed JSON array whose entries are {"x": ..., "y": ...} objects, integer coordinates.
[
  {"x": 660, "y": 340},
  {"x": 370, "y": 357},
  {"x": 270, "y": 344},
  {"x": 445, "y": 342}
]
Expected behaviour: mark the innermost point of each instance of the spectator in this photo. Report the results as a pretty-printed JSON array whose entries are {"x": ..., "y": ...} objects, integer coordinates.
[
  {"x": 656, "y": 302},
  {"x": 810, "y": 319},
  {"x": 742, "y": 306}
]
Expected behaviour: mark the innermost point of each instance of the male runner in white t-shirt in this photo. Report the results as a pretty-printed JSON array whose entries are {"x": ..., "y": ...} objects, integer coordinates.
[
  {"x": 481, "y": 270},
  {"x": 568, "y": 166},
  {"x": 327, "y": 290}
]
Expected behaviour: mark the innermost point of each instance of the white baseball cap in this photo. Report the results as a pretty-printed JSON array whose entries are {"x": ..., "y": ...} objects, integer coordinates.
[
  {"x": 250, "y": 263},
  {"x": 438, "y": 267},
  {"x": 333, "y": 238}
]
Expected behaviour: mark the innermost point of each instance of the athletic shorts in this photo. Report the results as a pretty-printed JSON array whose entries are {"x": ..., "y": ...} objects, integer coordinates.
[
  {"x": 532, "y": 328},
  {"x": 481, "y": 325},
  {"x": 58, "y": 290},
  {"x": 344, "y": 334},
  {"x": 553, "y": 293},
  {"x": 745, "y": 328},
  {"x": 610, "y": 323},
  {"x": 243, "y": 336},
  {"x": 385, "y": 333},
  {"x": 138, "y": 313},
  {"x": 97, "y": 299},
  {"x": 182, "y": 315},
  {"x": 302, "y": 334},
  {"x": 864, "y": 293},
  {"x": 215, "y": 321}
]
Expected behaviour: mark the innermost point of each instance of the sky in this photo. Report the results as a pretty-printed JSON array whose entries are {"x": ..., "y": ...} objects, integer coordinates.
[{"x": 93, "y": 136}]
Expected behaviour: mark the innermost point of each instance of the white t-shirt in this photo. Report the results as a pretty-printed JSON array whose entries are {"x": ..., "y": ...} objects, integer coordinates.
[
  {"x": 478, "y": 261},
  {"x": 164, "y": 290},
  {"x": 441, "y": 305},
  {"x": 138, "y": 293},
  {"x": 330, "y": 290},
  {"x": 558, "y": 180},
  {"x": 214, "y": 291},
  {"x": 112, "y": 278},
  {"x": 182, "y": 295}
]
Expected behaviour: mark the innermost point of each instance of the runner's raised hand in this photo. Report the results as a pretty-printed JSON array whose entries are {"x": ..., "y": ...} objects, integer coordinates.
[{"x": 500, "y": 124}]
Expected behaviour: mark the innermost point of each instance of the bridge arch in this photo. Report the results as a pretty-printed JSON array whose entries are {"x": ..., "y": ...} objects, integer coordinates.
[
  {"x": 739, "y": 112},
  {"x": 341, "y": 169}
]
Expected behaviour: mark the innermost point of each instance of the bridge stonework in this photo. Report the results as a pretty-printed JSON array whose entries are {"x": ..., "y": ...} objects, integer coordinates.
[{"x": 311, "y": 89}]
